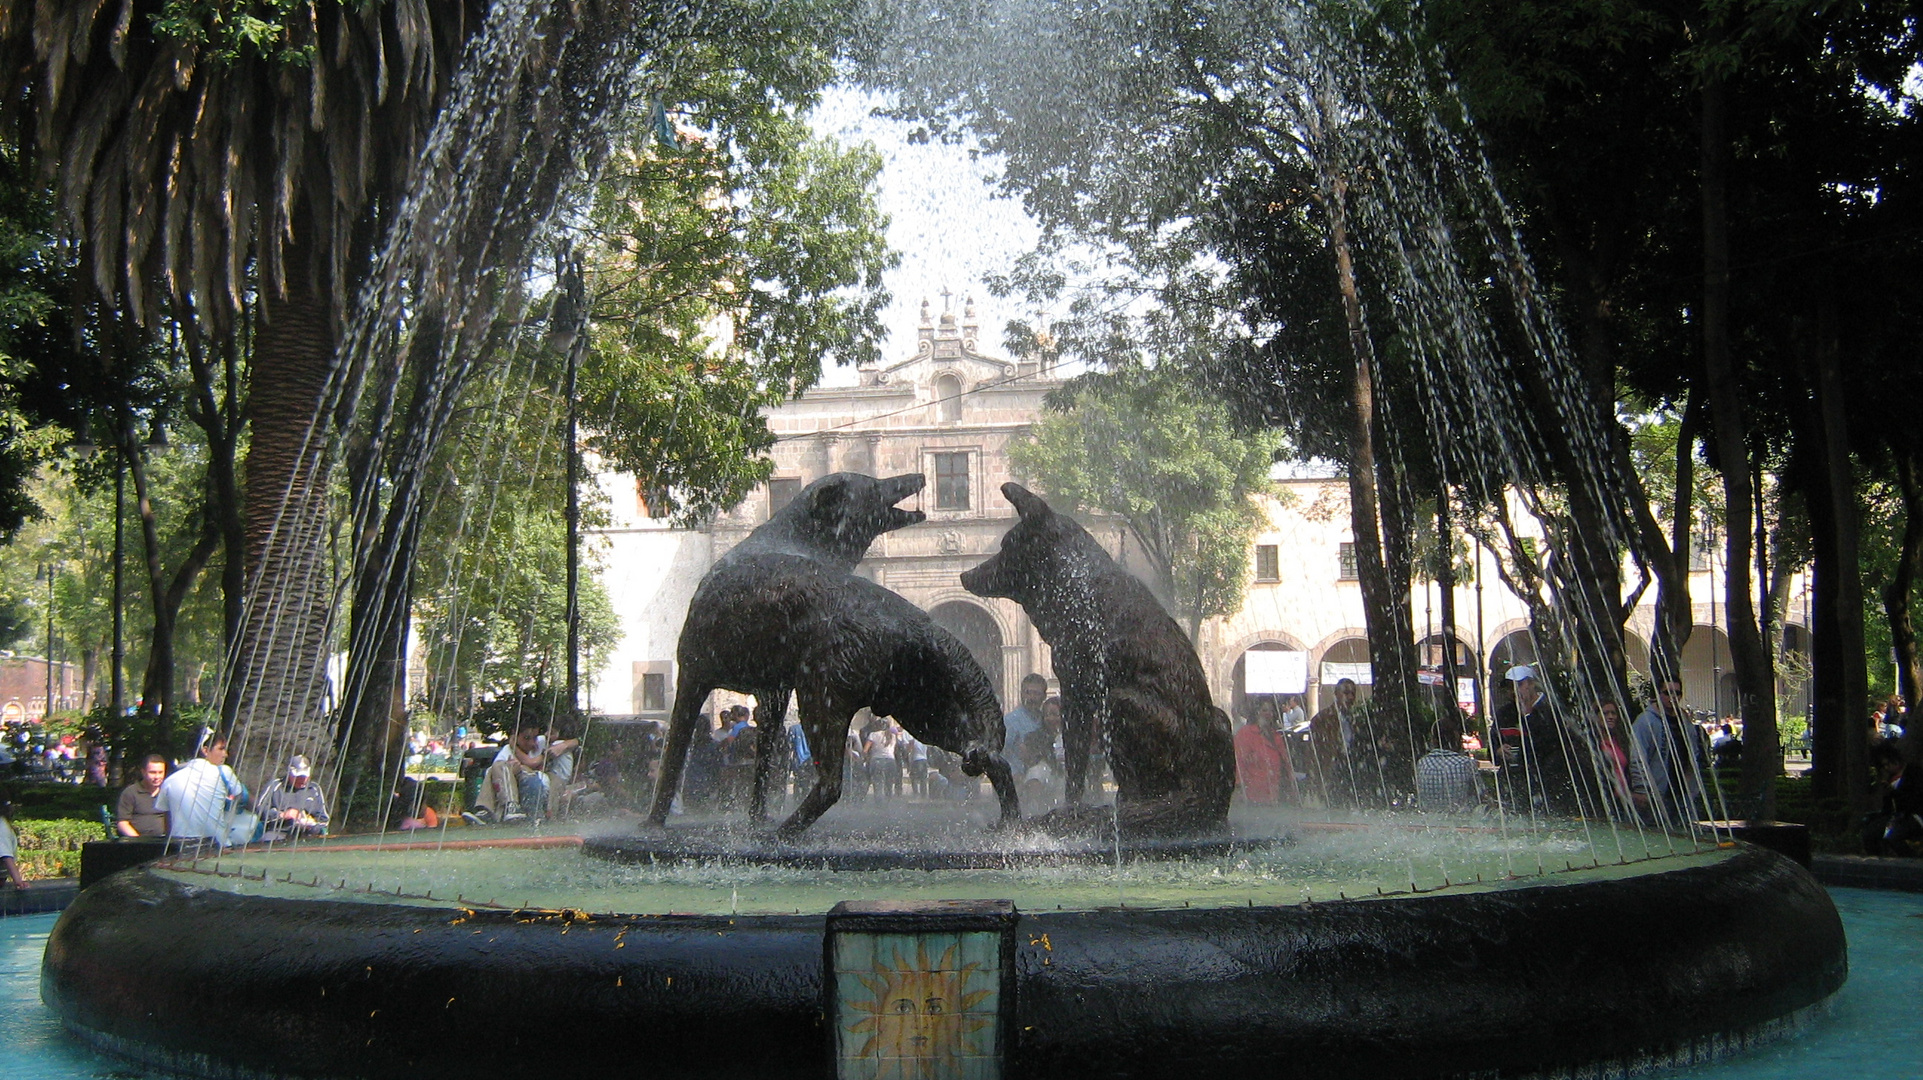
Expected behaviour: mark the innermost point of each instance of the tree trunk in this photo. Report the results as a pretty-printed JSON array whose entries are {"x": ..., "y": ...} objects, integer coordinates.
[
  {"x": 165, "y": 595},
  {"x": 215, "y": 407},
  {"x": 1446, "y": 588},
  {"x": 1394, "y": 658},
  {"x": 1755, "y": 675},
  {"x": 1675, "y": 620},
  {"x": 1364, "y": 519},
  {"x": 1839, "y": 663},
  {"x": 1591, "y": 585},
  {"x": 371, "y": 738},
  {"x": 276, "y": 692},
  {"x": 1897, "y": 594}
]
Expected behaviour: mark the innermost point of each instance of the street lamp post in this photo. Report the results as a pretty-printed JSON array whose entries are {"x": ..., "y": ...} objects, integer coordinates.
[
  {"x": 48, "y": 713},
  {"x": 567, "y": 334},
  {"x": 119, "y": 689}
]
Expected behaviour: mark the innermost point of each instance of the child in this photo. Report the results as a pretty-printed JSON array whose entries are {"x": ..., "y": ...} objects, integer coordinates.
[{"x": 9, "y": 846}]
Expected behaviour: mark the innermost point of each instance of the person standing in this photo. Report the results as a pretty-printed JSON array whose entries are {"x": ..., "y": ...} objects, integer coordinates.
[
  {"x": 884, "y": 768},
  {"x": 1022, "y": 719},
  {"x": 1662, "y": 758},
  {"x": 203, "y": 798},
  {"x": 800, "y": 761},
  {"x": 1332, "y": 736},
  {"x": 1262, "y": 763},
  {"x": 136, "y": 814},
  {"x": 10, "y": 847},
  {"x": 913, "y": 753}
]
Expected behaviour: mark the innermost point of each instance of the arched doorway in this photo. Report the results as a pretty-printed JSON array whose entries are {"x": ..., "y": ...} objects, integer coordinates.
[
  {"x": 1515, "y": 648},
  {"x": 1709, "y": 679},
  {"x": 1636, "y": 653},
  {"x": 1432, "y": 651},
  {"x": 975, "y": 629},
  {"x": 1347, "y": 658},
  {"x": 1280, "y": 673}
]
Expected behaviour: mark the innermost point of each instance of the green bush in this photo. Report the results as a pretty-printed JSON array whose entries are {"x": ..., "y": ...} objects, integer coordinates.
[{"x": 50, "y": 848}]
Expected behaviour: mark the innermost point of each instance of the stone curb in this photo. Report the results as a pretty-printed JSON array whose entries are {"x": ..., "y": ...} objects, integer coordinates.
[{"x": 1868, "y": 872}]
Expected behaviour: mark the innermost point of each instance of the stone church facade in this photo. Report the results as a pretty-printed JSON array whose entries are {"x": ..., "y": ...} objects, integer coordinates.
[{"x": 949, "y": 412}]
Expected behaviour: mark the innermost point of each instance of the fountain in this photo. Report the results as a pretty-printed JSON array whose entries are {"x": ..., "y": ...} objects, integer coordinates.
[
  {"x": 922, "y": 944},
  {"x": 915, "y": 942}
]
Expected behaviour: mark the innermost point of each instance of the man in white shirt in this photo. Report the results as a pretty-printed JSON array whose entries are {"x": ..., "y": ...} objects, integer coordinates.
[
  {"x": 1022, "y": 719},
  {"x": 201, "y": 798}
]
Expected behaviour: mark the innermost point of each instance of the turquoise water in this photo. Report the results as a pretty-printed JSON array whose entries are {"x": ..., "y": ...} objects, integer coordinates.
[{"x": 1873, "y": 1030}]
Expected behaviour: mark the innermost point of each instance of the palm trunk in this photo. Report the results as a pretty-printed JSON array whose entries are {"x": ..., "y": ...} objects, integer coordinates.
[{"x": 276, "y": 690}]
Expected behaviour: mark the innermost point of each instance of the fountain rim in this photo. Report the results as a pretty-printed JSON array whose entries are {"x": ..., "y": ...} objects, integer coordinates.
[{"x": 1370, "y": 986}]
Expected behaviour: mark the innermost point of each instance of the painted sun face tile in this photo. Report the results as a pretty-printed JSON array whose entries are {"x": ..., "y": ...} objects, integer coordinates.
[{"x": 914, "y": 1012}]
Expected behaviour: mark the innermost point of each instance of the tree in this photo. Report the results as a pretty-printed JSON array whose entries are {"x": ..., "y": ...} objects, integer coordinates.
[
  {"x": 1307, "y": 168},
  {"x": 1139, "y": 443},
  {"x": 491, "y": 580},
  {"x": 725, "y": 267},
  {"x": 749, "y": 224},
  {"x": 205, "y": 161},
  {"x": 1693, "y": 181}
]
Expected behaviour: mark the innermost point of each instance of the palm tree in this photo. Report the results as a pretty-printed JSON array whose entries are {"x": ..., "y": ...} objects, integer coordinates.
[{"x": 240, "y": 189}]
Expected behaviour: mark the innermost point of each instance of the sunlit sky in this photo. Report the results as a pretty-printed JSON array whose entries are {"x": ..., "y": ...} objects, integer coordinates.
[{"x": 945, "y": 220}]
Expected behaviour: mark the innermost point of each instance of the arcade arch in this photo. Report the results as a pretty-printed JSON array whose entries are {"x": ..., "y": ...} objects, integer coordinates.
[
  {"x": 975, "y": 627},
  {"x": 1709, "y": 681},
  {"x": 1296, "y": 681},
  {"x": 1345, "y": 656}
]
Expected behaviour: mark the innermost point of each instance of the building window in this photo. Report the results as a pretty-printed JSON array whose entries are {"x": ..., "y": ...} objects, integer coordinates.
[
  {"x": 1268, "y": 563},
  {"x": 1698, "y": 558},
  {"x": 1345, "y": 563},
  {"x": 948, "y": 398},
  {"x": 782, "y": 491},
  {"x": 654, "y": 691},
  {"x": 951, "y": 481},
  {"x": 650, "y": 687}
]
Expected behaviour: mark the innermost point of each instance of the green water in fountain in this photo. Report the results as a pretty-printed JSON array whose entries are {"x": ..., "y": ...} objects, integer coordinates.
[{"x": 1280, "y": 863}]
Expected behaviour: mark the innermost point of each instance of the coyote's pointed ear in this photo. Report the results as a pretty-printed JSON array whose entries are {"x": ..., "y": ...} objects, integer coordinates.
[{"x": 1026, "y": 503}]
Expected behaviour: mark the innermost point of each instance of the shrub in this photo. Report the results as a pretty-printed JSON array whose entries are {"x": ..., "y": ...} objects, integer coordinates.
[{"x": 50, "y": 848}]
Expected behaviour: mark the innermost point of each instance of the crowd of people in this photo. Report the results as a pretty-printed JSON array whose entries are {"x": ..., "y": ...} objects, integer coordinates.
[{"x": 1541, "y": 760}]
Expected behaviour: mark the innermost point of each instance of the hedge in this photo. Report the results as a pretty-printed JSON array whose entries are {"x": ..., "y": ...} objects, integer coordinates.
[{"x": 50, "y": 848}]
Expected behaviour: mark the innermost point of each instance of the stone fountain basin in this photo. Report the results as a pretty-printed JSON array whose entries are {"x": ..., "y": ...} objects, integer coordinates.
[{"x": 1676, "y": 958}]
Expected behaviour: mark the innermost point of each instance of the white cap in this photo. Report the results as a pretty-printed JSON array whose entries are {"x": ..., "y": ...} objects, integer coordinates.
[
  {"x": 1520, "y": 672},
  {"x": 298, "y": 765}
]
